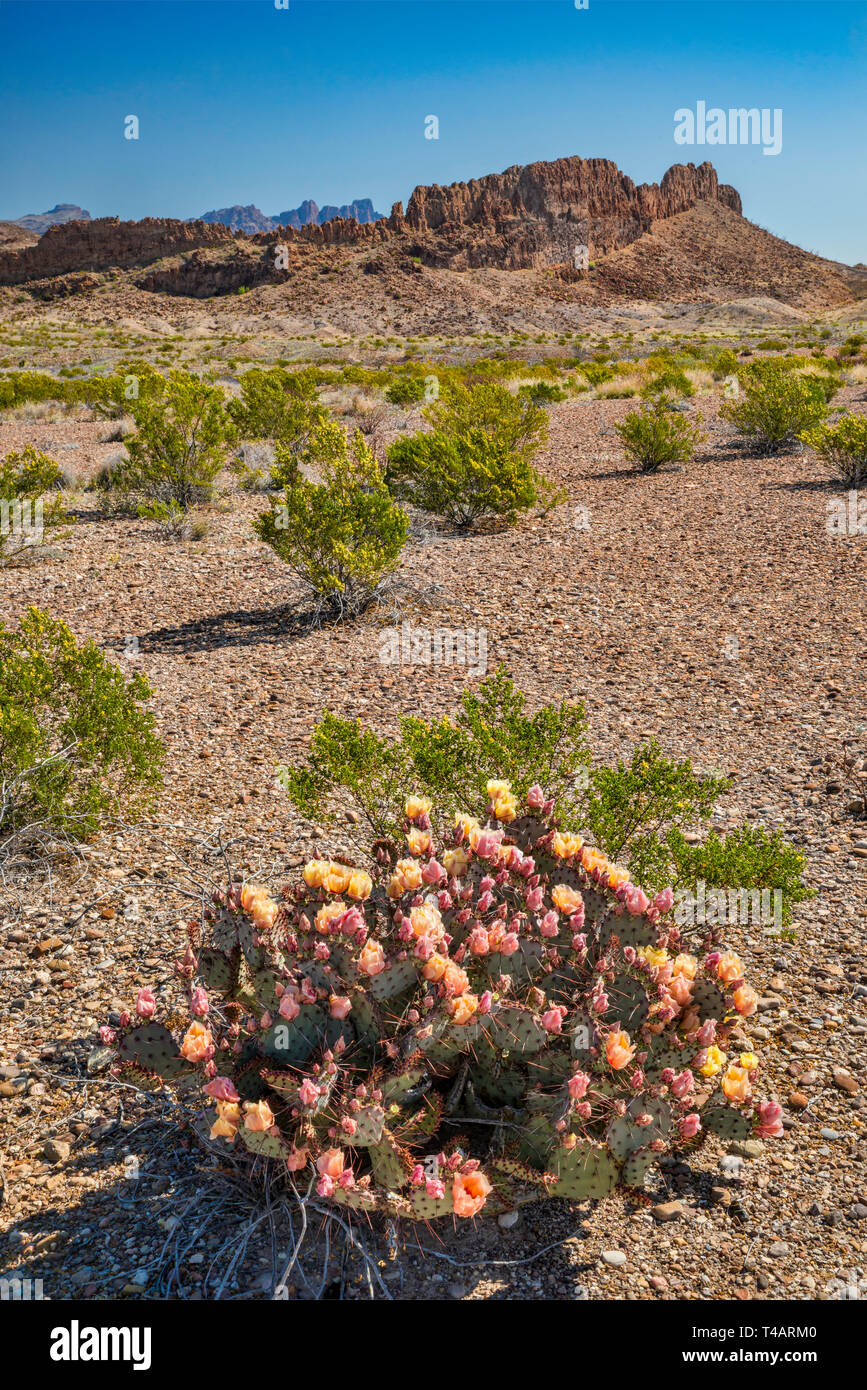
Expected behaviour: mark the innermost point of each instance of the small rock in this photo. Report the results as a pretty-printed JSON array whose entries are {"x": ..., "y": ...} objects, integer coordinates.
[
  {"x": 845, "y": 1081},
  {"x": 747, "y": 1148},
  {"x": 55, "y": 1151},
  {"x": 798, "y": 1101},
  {"x": 829, "y": 1133},
  {"x": 508, "y": 1219},
  {"x": 778, "y": 1249},
  {"x": 667, "y": 1211},
  {"x": 614, "y": 1257},
  {"x": 658, "y": 1281}
]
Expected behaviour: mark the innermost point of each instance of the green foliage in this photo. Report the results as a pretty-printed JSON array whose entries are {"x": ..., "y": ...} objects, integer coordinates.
[
  {"x": 476, "y": 462},
  {"x": 406, "y": 389},
  {"x": 748, "y": 857},
  {"x": 543, "y": 393},
  {"x": 341, "y": 536},
  {"x": 656, "y": 435},
  {"x": 182, "y": 435},
  {"x": 25, "y": 478},
  {"x": 667, "y": 379},
  {"x": 775, "y": 405},
  {"x": 279, "y": 405},
  {"x": 449, "y": 760},
  {"x": 75, "y": 742},
  {"x": 724, "y": 363},
  {"x": 843, "y": 444},
  {"x": 631, "y": 807},
  {"x": 597, "y": 372}
]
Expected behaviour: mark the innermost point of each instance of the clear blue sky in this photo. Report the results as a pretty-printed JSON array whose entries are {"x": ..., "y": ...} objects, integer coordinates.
[{"x": 239, "y": 102}]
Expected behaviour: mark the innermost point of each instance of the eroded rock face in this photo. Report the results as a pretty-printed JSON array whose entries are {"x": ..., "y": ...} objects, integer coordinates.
[
  {"x": 528, "y": 217},
  {"x": 105, "y": 243},
  {"x": 536, "y": 214}
]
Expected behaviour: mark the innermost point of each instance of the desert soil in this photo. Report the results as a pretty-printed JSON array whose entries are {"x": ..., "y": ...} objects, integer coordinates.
[{"x": 627, "y": 597}]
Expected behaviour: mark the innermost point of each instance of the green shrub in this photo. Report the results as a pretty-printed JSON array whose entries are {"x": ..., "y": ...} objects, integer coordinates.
[
  {"x": 775, "y": 405},
  {"x": 669, "y": 379},
  {"x": 449, "y": 760},
  {"x": 724, "y": 363},
  {"x": 843, "y": 444},
  {"x": 341, "y": 536},
  {"x": 747, "y": 858},
  {"x": 25, "y": 516},
  {"x": 75, "y": 742},
  {"x": 597, "y": 372},
  {"x": 18, "y": 388},
  {"x": 406, "y": 390},
  {"x": 543, "y": 393},
  {"x": 656, "y": 435},
  {"x": 279, "y": 405},
  {"x": 182, "y": 435},
  {"x": 476, "y": 462}
]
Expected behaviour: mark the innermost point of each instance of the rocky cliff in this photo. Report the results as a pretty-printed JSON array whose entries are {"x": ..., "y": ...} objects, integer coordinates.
[
  {"x": 530, "y": 216},
  {"x": 39, "y": 222}
]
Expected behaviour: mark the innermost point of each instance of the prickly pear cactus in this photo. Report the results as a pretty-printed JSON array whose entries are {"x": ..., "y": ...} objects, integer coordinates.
[{"x": 510, "y": 977}]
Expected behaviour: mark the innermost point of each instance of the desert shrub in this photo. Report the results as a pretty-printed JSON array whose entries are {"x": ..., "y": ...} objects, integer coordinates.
[
  {"x": 341, "y": 536},
  {"x": 179, "y": 448},
  {"x": 774, "y": 405},
  {"x": 75, "y": 742},
  {"x": 631, "y": 806},
  {"x": 543, "y": 393},
  {"x": 116, "y": 395},
  {"x": 655, "y": 435},
  {"x": 406, "y": 389},
  {"x": 597, "y": 372},
  {"x": 19, "y": 388},
  {"x": 449, "y": 759},
  {"x": 278, "y": 405},
  {"x": 533, "y": 997},
  {"x": 843, "y": 444},
  {"x": 668, "y": 379},
  {"x": 25, "y": 515},
  {"x": 476, "y": 462},
  {"x": 747, "y": 858},
  {"x": 724, "y": 363}
]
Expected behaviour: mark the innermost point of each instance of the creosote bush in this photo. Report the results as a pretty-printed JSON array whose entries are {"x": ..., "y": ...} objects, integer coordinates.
[
  {"x": 775, "y": 405},
  {"x": 656, "y": 435},
  {"x": 180, "y": 444},
  {"x": 26, "y": 514},
  {"x": 75, "y": 741},
  {"x": 342, "y": 536},
  {"x": 505, "y": 981},
  {"x": 843, "y": 444},
  {"x": 476, "y": 461},
  {"x": 278, "y": 405}
]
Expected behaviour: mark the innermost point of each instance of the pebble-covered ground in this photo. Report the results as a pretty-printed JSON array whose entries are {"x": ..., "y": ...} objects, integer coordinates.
[{"x": 707, "y": 606}]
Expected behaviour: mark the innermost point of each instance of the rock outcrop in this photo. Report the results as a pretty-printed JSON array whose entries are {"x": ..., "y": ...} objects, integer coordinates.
[
  {"x": 529, "y": 217},
  {"x": 252, "y": 220}
]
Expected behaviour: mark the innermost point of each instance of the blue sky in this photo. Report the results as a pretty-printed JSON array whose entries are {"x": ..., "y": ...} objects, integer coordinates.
[{"x": 240, "y": 102}]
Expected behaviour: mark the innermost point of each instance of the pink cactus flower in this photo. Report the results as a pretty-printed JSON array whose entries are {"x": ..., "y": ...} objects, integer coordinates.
[
  {"x": 550, "y": 924},
  {"x": 682, "y": 1085},
  {"x": 469, "y": 1193},
  {"x": 552, "y": 1019},
  {"x": 432, "y": 872},
  {"x": 340, "y": 1005},
  {"x": 416, "y": 1177},
  {"x": 106, "y": 1035},
  {"x": 145, "y": 1004},
  {"x": 435, "y": 1187},
  {"x": 664, "y": 901},
  {"x": 584, "y": 1110},
  {"x": 535, "y": 797},
  {"x": 221, "y": 1088},
  {"x": 707, "y": 1032},
  {"x": 308, "y": 1094},
  {"x": 600, "y": 1002},
  {"x": 509, "y": 944},
  {"x": 485, "y": 902},
  {"x": 535, "y": 898},
  {"x": 637, "y": 902},
  {"x": 325, "y": 1186},
  {"x": 289, "y": 1007},
  {"x": 347, "y": 1179},
  {"x": 579, "y": 942},
  {"x": 477, "y": 942},
  {"x": 770, "y": 1124},
  {"x": 485, "y": 1002},
  {"x": 689, "y": 1126},
  {"x": 331, "y": 1163},
  {"x": 258, "y": 1117},
  {"x": 578, "y": 1083}
]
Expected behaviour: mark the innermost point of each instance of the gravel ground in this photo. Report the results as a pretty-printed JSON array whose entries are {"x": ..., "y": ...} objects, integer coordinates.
[{"x": 707, "y": 607}]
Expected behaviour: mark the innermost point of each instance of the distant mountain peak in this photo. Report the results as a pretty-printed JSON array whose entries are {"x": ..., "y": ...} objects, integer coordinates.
[
  {"x": 251, "y": 219},
  {"x": 39, "y": 222}
]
